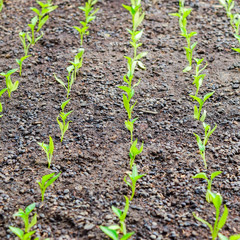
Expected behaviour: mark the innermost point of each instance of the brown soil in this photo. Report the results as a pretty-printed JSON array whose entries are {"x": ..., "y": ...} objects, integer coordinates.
[{"x": 93, "y": 157}]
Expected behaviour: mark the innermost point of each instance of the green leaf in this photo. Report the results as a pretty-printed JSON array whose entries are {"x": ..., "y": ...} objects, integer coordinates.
[
  {"x": 196, "y": 114},
  {"x": 17, "y": 231},
  {"x": 222, "y": 237},
  {"x": 42, "y": 22},
  {"x": 208, "y": 95},
  {"x": 109, "y": 232},
  {"x": 203, "y": 221},
  {"x": 141, "y": 55},
  {"x": 63, "y": 105},
  {"x": 29, "y": 208},
  {"x": 201, "y": 175},
  {"x": 223, "y": 218},
  {"x": 141, "y": 65},
  {"x": 203, "y": 117},
  {"x": 236, "y": 49},
  {"x": 215, "y": 174},
  {"x": 33, "y": 222},
  {"x": 235, "y": 237},
  {"x": 52, "y": 180},
  {"x": 47, "y": 177},
  {"x": 187, "y": 69},
  {"x": 127, "y": 236},
  {"x": 59, "y": 81},
  {"x": 117, "y": 211}
]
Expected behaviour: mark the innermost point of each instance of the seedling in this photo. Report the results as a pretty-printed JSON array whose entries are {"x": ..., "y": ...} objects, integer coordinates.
[
  {"x": 134, "y": 177},
  {"x": 70, "y": 79},
  {"x": 197, "y": 110},
  {"x": 11, "y": 87},
  {"x": 202, "y": 144},
  {"x": 219, "y": 223},
  {"x": 113, "y": 234},
  {"x": 46, "y": 8},
  {"x": 198, "y": 78},
  {"x": 20, "y": 62},
  {"x": 182, "y": 15},
  {"x": 32, "y": 27},
  {"x": 112, "y": 231},
  {"x": 209, "y": 182},
  {"x": 26, "y": 234},
  {"x": 48, "y": 149},
  {"x": 233, "y": 237},
  {"x": 63, "y": 125},
  {"x": 77, "y": 64},
  {"x": 234, "y": 19},
  {"x": 89, "y": 16},
  {"x": 22, "y": 36},
  {"x": 47, "y": 180},
  {"x": 134, "y": 151},
  {"x": 1, "y": 93}
]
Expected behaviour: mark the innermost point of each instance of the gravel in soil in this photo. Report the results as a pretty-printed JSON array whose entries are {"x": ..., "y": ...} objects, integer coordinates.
[{"x": 93, "y": 157}]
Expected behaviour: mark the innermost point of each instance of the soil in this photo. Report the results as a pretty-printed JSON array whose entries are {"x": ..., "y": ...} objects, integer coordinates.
[{"x": 93, "y": 157}]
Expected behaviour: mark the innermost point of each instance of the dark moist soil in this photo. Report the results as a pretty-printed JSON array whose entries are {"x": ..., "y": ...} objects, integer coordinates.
[{"x": 93, "y": 157}]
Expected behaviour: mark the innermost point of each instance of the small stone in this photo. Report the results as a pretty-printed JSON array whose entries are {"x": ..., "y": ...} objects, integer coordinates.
[{"x": 89, "y": 226}]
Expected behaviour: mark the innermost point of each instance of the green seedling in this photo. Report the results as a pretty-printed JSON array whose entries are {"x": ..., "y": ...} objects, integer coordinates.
[
  {"x": 46, "y": 8},
  {"x": 198, "y": 78},
  {"x": 197, "y": 110},
  {"x": 32, "y": 27},
  {"x": 48, "y": 149},
  {"x": 47, "y": 180},
  {"x": 133, "y": 177},
  {"x": 134, "y": 151},
  {"x": 233, "y": 237},
  {"x": 202, "y": 144},
  {"x": 70, "y": 79},
  {"x": 130, "y": 126},
  {"x": 1, "y": 5},
  {"x": 112, "y": 231},
  {"x": 63, "y": 125},
  {"x": 89, "y": 16},
  {"x": 22, "y": 36},
  {"x": 26, "y": 234},
  {"x": 182, "y": 14},
  {"x": 1, "y": 93},
  {"x": 20, "y": 62},
  {"x": 209, "y": 182},
  {"x": 113, "y": 234},
  {"x": 11, "y": 87},
  {"x": 219, "y": 222},
  {"x": 77, "y": 64}
]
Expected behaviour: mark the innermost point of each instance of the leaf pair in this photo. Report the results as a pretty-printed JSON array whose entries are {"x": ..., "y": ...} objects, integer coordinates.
[
  {"x": 209, "y": 182},
  {"x": 134, "y": 151},
  {"x": 219, "y": 223},
  {"x": 47, "y": 180},
  {"x": 48, "y": 149},
  {"x": 11, "y": 87},
  {"x": 134, "y": 176},
  {"x": 63, "y": 125}
]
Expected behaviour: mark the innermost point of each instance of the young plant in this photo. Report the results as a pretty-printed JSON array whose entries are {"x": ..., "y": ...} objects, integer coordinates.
[
  {"x": 233, "y": 237},
  {"x": 77, "y": 64},
  {"x": 234, "y": 19},
  {"x": 202, "y": 144},
  {"x": 11, "y": 87},
  {"x": 26, "y": 234},
  {"x": 197, "y": 110},
  {"x": 23, "y": 36},
  {"x": 72, "y": 72},
  {"x": 32, "y": 27},
  {"x": 198, "y": 78},
  {"x": 46, "y": 8},
  {"x": 88, "y": 18},
  {"x": 47, "y": 180},
  {"x": 63, "y": 125},
  {"x": 70, "y": 79},
  {"x": 1, "y": 93},
  {"x": 20, "y": 62},
  {"x": 219, "y": 222},
  {"x": 114, "y": 230},
  {"x": 133, "y": 177},
  {"x": 209, "y": 182},
  {"x": 182, "y": 15},
  {"x": 134, "y": 151},
  {"x": 48, "y": 149}
]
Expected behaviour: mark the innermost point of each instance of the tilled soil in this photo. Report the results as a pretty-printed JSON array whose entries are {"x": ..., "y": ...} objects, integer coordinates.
[{"x": 93, "y": 157}]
